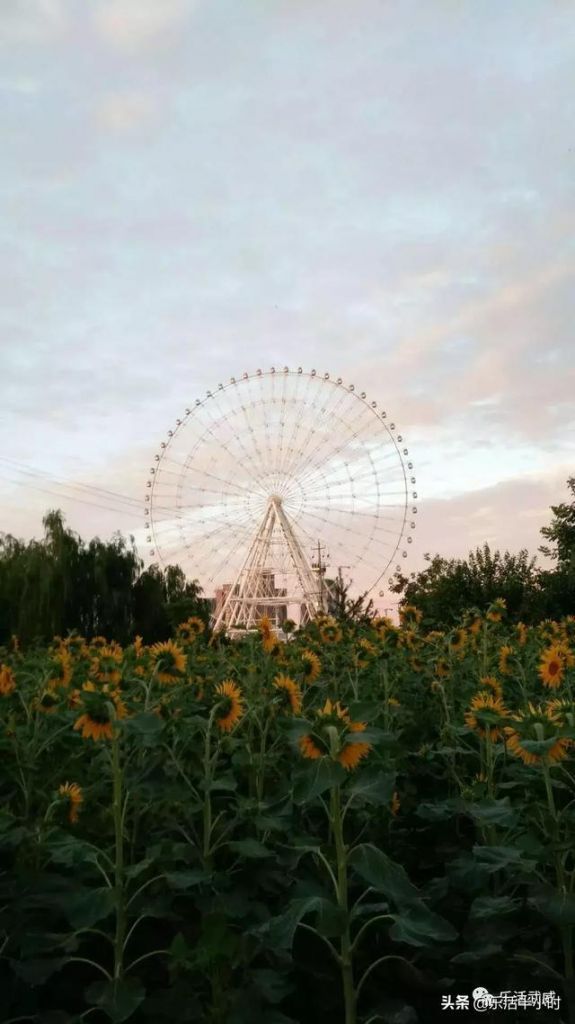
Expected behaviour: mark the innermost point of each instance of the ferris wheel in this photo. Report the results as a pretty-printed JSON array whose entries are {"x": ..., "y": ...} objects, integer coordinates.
[{"x": 272, "y": 481}]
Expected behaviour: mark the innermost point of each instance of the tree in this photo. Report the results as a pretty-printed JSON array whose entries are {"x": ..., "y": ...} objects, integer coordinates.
[
  {"x": 562, "y": 533},
  {"x": 345, "y": 608},
  {"x": 448, "y": 588}
]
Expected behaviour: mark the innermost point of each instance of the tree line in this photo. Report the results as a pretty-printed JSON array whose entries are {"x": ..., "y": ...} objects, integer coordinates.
[
  {"x": 447, "y": 588},
  {"x": 61, "y": 584}
]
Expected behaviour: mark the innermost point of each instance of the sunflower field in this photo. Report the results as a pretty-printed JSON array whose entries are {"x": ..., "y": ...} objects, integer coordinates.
[{"x": 344, "y": 825}]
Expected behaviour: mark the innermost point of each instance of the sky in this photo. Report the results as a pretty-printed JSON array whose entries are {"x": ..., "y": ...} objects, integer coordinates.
[{"x": 380, "y": 190}]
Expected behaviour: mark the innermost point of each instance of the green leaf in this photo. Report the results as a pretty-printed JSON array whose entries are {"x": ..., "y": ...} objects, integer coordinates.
[
  {"x": 279, "y": 931},
  {"x": 485, "y": 907},
  {"x": 418, "y": 926},
  {"x": 36, "y": 972},
  {"x": 85, "y": 909},
  {"x": 146, "y": 726},
  {"x": 119, "y": 1000},
  {"x": 314, "y": 780},
  {"x": 555, "y": 906},
  {"x": 440, "y": 810},
  {"x": 373, "y": 788},
  {"x": 383, "y": 874},
  {"x": 494, "y": 812},
  {"x": 251, "y": 848},
  {"x": 272, "y": 985},
  {"x": 364, "y": 710},
  {"x": 186, "y": 879},
  {"x": 496, "y": 857},
  {"x": 472, "y": 956}
]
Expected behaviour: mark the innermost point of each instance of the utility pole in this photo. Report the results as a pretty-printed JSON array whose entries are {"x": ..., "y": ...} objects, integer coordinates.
[{"x": 321, "y": 571}]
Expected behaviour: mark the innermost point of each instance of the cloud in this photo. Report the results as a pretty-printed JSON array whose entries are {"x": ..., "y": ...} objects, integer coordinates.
[
  {"x": 34, "y": 21},
  {"x": 131, "y": 26},
  {"x": 127, "y": 111}
]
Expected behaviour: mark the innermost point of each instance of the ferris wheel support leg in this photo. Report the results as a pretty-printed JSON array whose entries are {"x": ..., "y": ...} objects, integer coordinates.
[{"x": 229, "y": 600}]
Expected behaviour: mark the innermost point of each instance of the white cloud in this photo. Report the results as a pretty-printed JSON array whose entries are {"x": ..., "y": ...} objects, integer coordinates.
[{"x": 134, "y": 25}]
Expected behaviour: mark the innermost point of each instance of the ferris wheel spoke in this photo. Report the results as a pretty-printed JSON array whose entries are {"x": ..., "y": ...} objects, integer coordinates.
[
  {"x": 254, "y": 469},
  {"x": 311, "y": 462},
  {"x": 264, "y": 470},
  {"x": 297, "y": 458},
  {"x": 298, "y": 422}
]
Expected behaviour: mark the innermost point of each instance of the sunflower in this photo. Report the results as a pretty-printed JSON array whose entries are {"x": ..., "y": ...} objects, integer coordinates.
[
  {"x": 521, "y": 634},
  {"x": 72, "y": 794},
  {"x": 265, "y": 626},
  {"x": 381, "y": 625},
  {"x": 537, "y": 724},
  {"x": 272, "y": 645},
  {"x": 309, "y": 748},
  {"x": 410, "y": 615},
  {"x": 395, "y": 804},
  {"x": 47, "y": 702},
  {"x": 97, "y": 722},
  {"x": 97, "y": 642},
  {"x": 354, "y": 752},
  {"x": 74, "y": 645},
  {"x": 551, "y": 667},
  {"x": 138, "y": 645},
  {"x": 170, "y": 661},
  {"x": 505, "y": 653},
  {"x": 492, "y": 684},
  {"x": 330, "y": 632},
  {"x": 349, "y": 752},
  {"x": 496, "y": 610},
  {"x": 475, "y": 625},
  {"x": 7, "y": 684},
  {"x": 406, "y": 638},
  {"x": 442, "y": 668},
  {"x": 60, "y": 670},
  {"x": 290, "y": 691},
  {"x": 311, "y": 665},
  {"x": 233, "y": 705},
  {"x": 485, "y": 715},
  {"x": 457, "y": 640},
  {"x": 105, "y": 668},
  {"x": 190, "y": 629}
]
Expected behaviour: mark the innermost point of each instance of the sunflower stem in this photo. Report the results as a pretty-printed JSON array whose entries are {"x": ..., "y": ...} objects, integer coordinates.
[
  {"x": 346, "y": 956},
  {"x": 119, "y": 859}
]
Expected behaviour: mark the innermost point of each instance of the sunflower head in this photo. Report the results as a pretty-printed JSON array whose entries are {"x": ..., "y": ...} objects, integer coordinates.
[
  {"x": 552, "y": 666},
  {"x": 330, "y": 632},
  {"x": 47, "y": 701},
  {"x": 336, "y": 737},
  {"x": 535, "y": 735},
  {"x": 409, "y": 615},
  {"x": 496, "y": 610},
  {"x": 106, "y": 666},
  {"x": 486, "y": 715},
  {"x": 169, "y": 661},
  {"x": 505, "y": 653},
  {"x": 7, "y": 682},
  {"x": 71, "y": 795},
  {"x": 289, "y": 693},
  {"x": 100, "y": 706},
  {"x": 231, "y": 704},
  {"x": 311, "y": 665},
  {"x": 60, "y": 668},
  {"x": 457, "y": 640},
  {"x": 189, "y": 630},
  {"x": 493, "y": 685}
]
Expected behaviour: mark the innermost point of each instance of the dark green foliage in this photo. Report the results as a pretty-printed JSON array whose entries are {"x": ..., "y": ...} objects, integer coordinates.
[{"x": 61, "y": 585}]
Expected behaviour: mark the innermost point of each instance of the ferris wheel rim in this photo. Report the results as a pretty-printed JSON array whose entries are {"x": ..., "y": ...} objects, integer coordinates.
[{"x": 285, "y": 372}]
